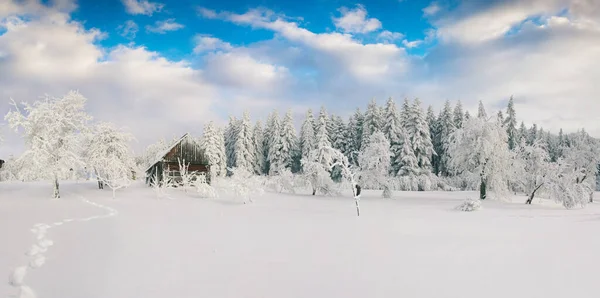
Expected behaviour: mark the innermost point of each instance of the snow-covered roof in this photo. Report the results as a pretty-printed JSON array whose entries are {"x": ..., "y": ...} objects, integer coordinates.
[{"x": 164, "y": 153}]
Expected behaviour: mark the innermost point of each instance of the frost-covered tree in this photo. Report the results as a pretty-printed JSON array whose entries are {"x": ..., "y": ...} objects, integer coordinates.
[
  {"x": 445, "y": 127},
  {"x": 511, "y": 124},
  {"x": 307, "y": 134},
  {"x": 417, "y": 130},
  {"x": 434, "y": 130},
  {"x": 536, "y": 168},
  {"x": 375, "y": 160},
  {"x": 355, "y": 124},
  {"x": 272, "y": 134},
  {"x": 230, "y": 137},
  {"x": 582, "y": 158},
  {"x": 110, "y": 157},
  {"x": 409, "y": 166},
  {"x": 275, "y": 158},
  {"x": 339, "y": 141},
  {"x": 152, "y": 153},
  {"x": 244, "y": 184},
  {"x": 244, "y": 145},
  {"x": 258, "y": 140},
  {"x": 481, "y": 113},
  {"x": 321, "y": 134},
  {"x": 459, "y": 115},
  {"x": 500, "y": 118},
  {"x": 213, "y": 144},
  {"x": 52, "y": 129},
  {"x": 467, "y": 116},
  {"x": 289, "y": 141},
  {"x": 533, "y": 134},
  {"x": 372, "y": 122},
  {"x": 394, "y": 133},
  {"x": 523, "y": 136},
  {"x": 480, "y": 153}
]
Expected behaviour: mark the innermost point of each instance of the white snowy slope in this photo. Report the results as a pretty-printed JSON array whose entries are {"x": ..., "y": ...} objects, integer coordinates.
[{"x": 414, "y": 245}]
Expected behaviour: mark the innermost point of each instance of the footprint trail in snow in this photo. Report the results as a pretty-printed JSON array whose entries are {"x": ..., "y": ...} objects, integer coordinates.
[{"x": 39, "y": 248}]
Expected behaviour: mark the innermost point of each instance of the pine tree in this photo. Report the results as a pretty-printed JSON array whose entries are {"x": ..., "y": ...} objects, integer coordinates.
[
  {"x": 244, "y": 145},
  {"x": 467, "y": 117},
  {"x": 340, "y": 135},
  {"x": 321, "y": 135},
  {"x": 331, "y": 128},
  {"x": 307, "y": 134},
  {"x": 432, "y": 122},
  {"x": 408, "y": 162},
  {"x": 419, "y": 136},
  {"x": 275, "y": 159},
  {"x": 355, "y": 124},
  {"x": 533, "y": 134},
  {"x": 481, "y": 113},
  {"x": 271, "y": 130},
  {"x": 230, "y": 136},
  {"x": 523, "y": 136},
  {"x": 511, "y": 124},
  {"x": 258, "y": 140},
  {"x": 214, "y": 149},
  {"x": 500, "y": 118},
  {"x": 394, "y": 133},
  {"x": 372, "y": 122},
  {"x": 289, "y": 141},
  {"x": 459, "y": 116},
  {"x": 445, "y": 128}
]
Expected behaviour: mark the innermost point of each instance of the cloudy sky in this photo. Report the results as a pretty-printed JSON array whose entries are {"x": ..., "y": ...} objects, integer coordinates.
[{"x": 167, "y": 67}]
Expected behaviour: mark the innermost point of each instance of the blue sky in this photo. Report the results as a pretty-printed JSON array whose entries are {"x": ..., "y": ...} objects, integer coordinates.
[{"x": 162, "y": 68}]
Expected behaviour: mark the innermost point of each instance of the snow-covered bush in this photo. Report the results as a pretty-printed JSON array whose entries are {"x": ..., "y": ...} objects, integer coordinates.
[
  {"x": 204, "y": 189},
  {"x": 244, "y": 184},
  {"x": 284, "y": 180},
  {"x": 469, "y": 205},
  {"x": 375, "y": 161}
]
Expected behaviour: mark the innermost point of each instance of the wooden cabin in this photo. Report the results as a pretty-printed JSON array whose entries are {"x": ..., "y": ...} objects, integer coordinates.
[{"x": 186, "y": 148}]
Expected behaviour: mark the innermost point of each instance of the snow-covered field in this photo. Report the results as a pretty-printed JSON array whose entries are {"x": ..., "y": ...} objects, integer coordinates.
[{"x": 414, "y": 245}]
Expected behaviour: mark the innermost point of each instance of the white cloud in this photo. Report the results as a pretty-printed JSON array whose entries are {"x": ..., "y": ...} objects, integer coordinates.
[
  {"x": 412, "y": 44},
  {"x": 165, "y": 26},
  {"x": 390, "y": 36},
  {"x": 130, "y": 86},
  {"x": 363, "y": 61},
  {"x": 206, "y": 43},
  {"x": 356, "y": 21},
  {"x": 129, "y": 29},
  {"x": 143, "y": 7},
  {"x": 432, "y": 9},
  {"x": 494, "y": 21}
]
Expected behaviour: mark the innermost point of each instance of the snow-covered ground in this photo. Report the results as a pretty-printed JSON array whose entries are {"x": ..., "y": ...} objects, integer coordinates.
[{"x": 414, "y": 245}]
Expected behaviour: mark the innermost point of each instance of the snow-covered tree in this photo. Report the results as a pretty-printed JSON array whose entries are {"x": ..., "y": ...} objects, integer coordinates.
[
  {"x": 307, "y": 134},
  {"x": 480, "y": 153},
  {"x": 272, "y": 142},
  {"x": 355, "y": 124},
  {"x": 339, "y": 141},
  {"x": 152, "y": 153},
  {"x": 321, "y": 134},
  {"x": 230, "y": 137},
  {"x": 481, "y": 113},
  {"x": 418, "y": 133},
  {"x": 562, "y": 188},
  {"x": 533, "y": 134},
  {"x": 446, "y": 127},
  {"x": 372, "y": 122},
  {"x": 536, "y": 168},
  {"x": 289, "y": 141},
  {"x": 244, "y": 149},
  {"x": 434, "y": 130},
  {"x": 244, "y": 184},
  {"x": 409, "y": 166},
  {"x": 459, "y": 115},
  {"x": 213, "y": 144},
  {"x": 258, "y": 140},
  {"x": 467, "y": 116},
  {"x": 52, "y": 129},
  {"x": 394, "y": 133},
  {"x": 109, "y": 156},
  {"x": 511, "y": 125},
  {"x": 375, "y": 160},
  {"x": 500, "y": 118},
  {"x": 523, "y": 136},
  {"x": 582, "y": 159}
]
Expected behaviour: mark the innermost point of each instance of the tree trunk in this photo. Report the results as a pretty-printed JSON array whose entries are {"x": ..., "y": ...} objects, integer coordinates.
[
  {"x": 56, "y": 189},
  {"x": 483, "y": 190},
  {"x": 532, "y": 195},
  {"x": 314, "y": 191}
]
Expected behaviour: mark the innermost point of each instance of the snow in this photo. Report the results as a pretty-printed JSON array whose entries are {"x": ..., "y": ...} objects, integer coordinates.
[{"x": 414, "y": 245}]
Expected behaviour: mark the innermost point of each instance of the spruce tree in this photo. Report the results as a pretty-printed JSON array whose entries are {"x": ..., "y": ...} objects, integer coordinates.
[
  {"x": 214, "y": 149},
  {"x": 419, "y": 136},
  {"x": 289, "y": 141},
  {"x": 459, "y": 115},
  {"x": 321, "y": 134},
  {"x": 244, "y": 145},
  {"x": 467, "y": 117},
  {"x": 446, "y": 127},
  {"x": 273, "y": 135},
  {"x": 511, "y": 124},
  {"x": 230, "y": 136},
  {"x": 258, "y": 140},
  {"x": 481, "y": 113},
  {"x": 523, "y": 136},
  {"x": 408, "y": 161},
  {"x": 394, "y": 133},
  {"x": 500, "y": 118},
  {"x": 533, "y": 134},
  {"x": 307, "y": 134},
  {"x": 434, "y": 128},
  {"x": 372, "y": 122},
  {"x": 355, "y": 124}
]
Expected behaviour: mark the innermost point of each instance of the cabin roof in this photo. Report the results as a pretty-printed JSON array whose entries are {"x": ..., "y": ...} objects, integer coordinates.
[{"x": 164, "y": 153}]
